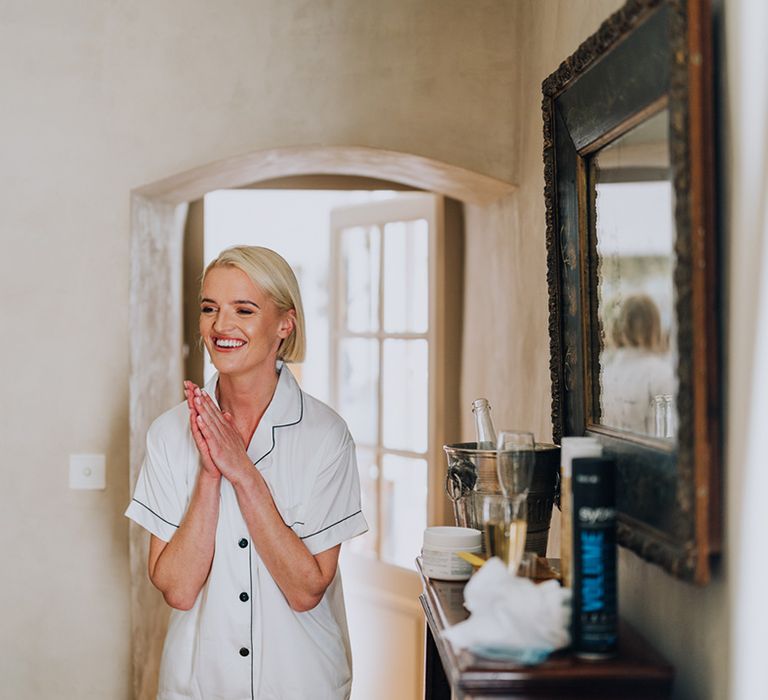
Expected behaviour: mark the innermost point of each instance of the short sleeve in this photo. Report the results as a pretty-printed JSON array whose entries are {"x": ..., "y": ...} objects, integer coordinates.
[
  {"x": 334, "y": 513},
  {"x": 157, "y": 504}
]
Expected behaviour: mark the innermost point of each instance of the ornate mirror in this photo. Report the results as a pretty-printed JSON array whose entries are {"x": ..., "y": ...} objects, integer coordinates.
[{"x": 631, "y": 271}]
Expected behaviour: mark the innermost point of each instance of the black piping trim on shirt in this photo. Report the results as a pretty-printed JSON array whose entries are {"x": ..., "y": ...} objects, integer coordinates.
[
  {"x": 332, "y": 525},
  {"x": 155, "y": 514},
  {"x": 283, "y": 425},
  {"x": 250, "y": 593}
]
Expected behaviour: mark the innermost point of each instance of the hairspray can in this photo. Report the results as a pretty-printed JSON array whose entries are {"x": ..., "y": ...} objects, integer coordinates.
[
  {"x": 570, "y": 449},
  {"x": 595, "y": 614}
]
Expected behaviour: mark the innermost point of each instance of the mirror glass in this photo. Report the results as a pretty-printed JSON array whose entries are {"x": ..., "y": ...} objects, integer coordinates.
[{"x": 634, "y": 225}]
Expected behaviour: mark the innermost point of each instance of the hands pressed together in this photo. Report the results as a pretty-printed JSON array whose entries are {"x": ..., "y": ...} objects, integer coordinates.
[
  {"x": 300, "y": 575},
  {"x": 221, "y": 446}
]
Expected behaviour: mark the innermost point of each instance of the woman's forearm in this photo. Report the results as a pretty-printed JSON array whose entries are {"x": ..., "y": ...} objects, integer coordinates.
[
  {"x": 181, "y": 569},
  {"x": 302, "y": 577}
]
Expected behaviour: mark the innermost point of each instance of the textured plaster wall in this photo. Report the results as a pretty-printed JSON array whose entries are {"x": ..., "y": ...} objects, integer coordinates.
[
  {"x": 506, "y": 311},
  {"x": 506, "y": 320},
  {"x": 102, "y": 97}
]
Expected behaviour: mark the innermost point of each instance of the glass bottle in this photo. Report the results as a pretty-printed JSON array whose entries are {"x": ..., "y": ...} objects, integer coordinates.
[{"x": 486, "y": 433}]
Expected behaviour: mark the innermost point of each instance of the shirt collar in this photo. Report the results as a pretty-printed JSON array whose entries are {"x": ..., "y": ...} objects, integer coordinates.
[{"x": 286, "y": 408}]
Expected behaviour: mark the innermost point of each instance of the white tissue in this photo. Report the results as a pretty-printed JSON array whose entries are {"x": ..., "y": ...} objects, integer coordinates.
[{"x": 512, "y": 613}]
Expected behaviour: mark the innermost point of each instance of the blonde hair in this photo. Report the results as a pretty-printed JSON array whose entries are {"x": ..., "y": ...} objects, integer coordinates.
[
  {"x": 638, "y": 324},
  {"x": 269, "y": 271}
]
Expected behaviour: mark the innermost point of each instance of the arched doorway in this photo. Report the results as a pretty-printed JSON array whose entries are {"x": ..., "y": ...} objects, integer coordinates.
[{"x": 158, "y": 214}]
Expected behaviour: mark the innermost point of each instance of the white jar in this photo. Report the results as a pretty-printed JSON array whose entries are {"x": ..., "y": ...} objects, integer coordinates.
[{"x": 438, "y": 555}]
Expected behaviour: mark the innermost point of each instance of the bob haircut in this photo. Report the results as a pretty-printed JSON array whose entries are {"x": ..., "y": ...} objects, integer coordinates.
[
  {"x": 638, "y": 324},
  {"x": 270, "y": 272}
]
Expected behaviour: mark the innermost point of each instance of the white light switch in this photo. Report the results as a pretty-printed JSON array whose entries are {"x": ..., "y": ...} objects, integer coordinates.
[{"x": 87, "y": 471}]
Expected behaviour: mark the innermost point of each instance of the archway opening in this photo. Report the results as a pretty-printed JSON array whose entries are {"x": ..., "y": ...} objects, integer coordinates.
[{"x": 160, "y": 215}]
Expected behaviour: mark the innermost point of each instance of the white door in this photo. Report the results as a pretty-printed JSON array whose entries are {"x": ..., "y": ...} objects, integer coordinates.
[{"x": 384, "y": 362}]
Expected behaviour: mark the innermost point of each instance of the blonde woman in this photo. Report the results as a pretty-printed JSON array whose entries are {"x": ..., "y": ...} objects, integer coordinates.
[
  {"x": 248, "y": 490},
  {"x": 639, "y": 368}
]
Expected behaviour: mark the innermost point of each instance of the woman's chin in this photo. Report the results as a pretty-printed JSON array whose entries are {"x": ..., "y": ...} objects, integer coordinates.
[
  {"x": 234, "y": 366},
  {"x": 225, "y": 364}
]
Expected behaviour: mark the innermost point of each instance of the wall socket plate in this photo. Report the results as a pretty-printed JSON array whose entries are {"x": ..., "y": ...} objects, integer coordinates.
[{"x": 87, "y": 471}]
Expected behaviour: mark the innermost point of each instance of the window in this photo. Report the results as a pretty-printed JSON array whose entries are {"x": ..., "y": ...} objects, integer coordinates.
[{"x": 384, "y": 359}]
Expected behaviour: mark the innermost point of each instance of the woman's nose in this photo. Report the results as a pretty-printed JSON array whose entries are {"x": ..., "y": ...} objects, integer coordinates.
[{"x": 222, "y": 322}]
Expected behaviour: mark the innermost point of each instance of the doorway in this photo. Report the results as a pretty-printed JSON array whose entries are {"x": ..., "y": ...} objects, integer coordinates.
[{"x": 366, "y": 264}]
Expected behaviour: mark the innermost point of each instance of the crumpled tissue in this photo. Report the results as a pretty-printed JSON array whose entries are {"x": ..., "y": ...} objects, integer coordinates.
[{"x": 512, "y": 617}]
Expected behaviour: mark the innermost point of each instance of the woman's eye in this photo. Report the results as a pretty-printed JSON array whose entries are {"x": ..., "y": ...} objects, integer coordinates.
[
  {"x": 245, "y": 312},
  {"x": 206, "y": 309}
]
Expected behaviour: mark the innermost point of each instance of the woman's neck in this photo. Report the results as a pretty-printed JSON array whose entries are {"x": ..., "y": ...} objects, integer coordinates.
[{"x": 246, "y": 397}]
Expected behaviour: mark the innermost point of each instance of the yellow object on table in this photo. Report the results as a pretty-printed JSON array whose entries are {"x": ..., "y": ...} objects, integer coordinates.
[
  {"x": 533, "y": 567},
  {"x": 474, "y": 559}
]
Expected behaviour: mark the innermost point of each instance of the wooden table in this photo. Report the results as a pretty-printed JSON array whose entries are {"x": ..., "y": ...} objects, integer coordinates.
[{"x": 636, "y": 672}]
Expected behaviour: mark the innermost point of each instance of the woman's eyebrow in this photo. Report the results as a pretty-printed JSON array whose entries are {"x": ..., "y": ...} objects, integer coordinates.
[{"x": 236, "y": 301}]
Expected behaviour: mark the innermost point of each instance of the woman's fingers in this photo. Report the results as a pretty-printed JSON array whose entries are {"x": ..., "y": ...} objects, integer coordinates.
[
  {"x": 189, "y": 393},
  {"x": 197, "y": 434},
  {"x": 205, "y": 429},
  {"x": 223, "y": 430},
  {"x": 202, "y": 446},
  {"x": 209, "y": 413},
  {"x": 231, "y": 428},
  {"x": 211, "y": 409},
  {"x": 224, "y": 438}
]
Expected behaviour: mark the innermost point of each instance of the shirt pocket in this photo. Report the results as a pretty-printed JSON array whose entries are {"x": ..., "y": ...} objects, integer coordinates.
[{"x": 287, "y": 493}]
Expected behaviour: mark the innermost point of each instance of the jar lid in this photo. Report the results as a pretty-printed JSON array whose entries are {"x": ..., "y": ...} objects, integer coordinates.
[{"x": 454, "y": 537}]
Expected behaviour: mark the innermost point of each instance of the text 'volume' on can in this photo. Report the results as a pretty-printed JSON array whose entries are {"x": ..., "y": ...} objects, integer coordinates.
[{"x": 595, "y": 604}]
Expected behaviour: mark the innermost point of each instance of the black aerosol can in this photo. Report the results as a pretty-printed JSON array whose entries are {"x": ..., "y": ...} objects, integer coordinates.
[{"x": 595, "y": 613}]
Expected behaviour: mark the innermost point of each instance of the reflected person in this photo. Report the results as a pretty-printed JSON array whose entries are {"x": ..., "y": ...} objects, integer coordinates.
[
  {"x": 638, "y": 369},
  {"x": 248, "y": 489}
]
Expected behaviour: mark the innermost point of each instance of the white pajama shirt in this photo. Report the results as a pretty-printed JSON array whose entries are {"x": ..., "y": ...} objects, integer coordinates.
[{"x": 241, "y": 640}]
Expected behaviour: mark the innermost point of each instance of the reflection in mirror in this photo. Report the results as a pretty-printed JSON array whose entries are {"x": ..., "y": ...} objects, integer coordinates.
[{"x": 635, "y": 235}]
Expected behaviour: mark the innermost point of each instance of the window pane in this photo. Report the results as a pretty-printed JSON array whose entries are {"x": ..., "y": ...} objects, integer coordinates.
[
  {"x": 369, "y": 474},
  {"x": 360, "y": 252},
  {"x": 405, "y": 385},
  {"x": 406, "y": 276},
  {"x": 358, "y": 387},
  {"x": 403, "y": 509}
]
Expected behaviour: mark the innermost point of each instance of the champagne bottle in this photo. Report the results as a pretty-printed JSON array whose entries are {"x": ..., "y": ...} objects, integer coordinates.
[{"x": 486, "y": 433}]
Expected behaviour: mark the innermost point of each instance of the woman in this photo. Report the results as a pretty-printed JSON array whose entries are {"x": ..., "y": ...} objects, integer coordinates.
[
  {"x": 638, "y": 371},
  {"x": 248, "y": 490}
]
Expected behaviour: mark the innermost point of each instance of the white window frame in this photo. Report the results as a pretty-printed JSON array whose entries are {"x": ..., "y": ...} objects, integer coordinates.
[{"x": 404, "y": 207}]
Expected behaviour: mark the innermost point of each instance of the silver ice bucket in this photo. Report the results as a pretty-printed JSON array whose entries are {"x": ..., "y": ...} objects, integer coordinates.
[{"x": 471, "y": 470}]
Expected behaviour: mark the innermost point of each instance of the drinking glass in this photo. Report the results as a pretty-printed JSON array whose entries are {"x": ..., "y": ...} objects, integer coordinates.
[
  {"x": 515, "y": 458},
  {"x": 504, "y": 525}
]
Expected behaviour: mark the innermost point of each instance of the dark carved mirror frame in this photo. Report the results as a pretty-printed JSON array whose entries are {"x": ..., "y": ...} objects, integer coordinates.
[{"x": 649, "y": 54}]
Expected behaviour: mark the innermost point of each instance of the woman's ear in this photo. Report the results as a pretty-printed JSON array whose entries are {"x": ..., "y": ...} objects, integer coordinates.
[{"x": 287, "y": 323}]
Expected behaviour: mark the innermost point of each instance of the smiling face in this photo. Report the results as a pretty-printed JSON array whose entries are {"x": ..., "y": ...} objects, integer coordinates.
[{"x": 240, "y": 324}]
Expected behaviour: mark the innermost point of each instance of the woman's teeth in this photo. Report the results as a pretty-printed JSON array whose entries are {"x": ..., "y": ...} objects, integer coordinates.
[{"x": 222, "y": 343}]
